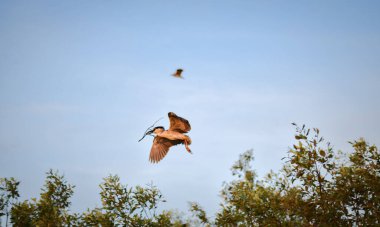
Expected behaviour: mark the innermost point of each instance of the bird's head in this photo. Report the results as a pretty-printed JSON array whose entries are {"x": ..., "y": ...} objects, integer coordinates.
[{"x": 156, "y": 130}]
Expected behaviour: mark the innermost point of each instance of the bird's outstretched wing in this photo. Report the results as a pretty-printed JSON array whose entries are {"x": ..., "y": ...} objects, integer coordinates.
[
  {"x": 178, "y": 124},
  {"x": 160, "y": 148}
]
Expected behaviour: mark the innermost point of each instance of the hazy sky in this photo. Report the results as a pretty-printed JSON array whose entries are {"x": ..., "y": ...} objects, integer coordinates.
[{"x": 80, "y": 81}]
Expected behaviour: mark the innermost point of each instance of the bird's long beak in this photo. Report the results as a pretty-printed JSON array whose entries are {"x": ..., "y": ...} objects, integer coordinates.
[{"x": 147, "y": 133}]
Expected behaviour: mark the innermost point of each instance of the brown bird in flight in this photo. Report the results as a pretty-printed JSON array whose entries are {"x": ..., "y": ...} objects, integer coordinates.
[
  {"x": 178, "y": 73},
  {"x": 164, "y": 139}
]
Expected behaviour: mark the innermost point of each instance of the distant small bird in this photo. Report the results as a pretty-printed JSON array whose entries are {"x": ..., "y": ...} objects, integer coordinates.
[
  {"x": 164, "y": 139},
  {"x": 178, "y": 73}
]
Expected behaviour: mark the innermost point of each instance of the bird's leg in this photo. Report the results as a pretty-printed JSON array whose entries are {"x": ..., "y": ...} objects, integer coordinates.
[{"x": 187, "y": 147}]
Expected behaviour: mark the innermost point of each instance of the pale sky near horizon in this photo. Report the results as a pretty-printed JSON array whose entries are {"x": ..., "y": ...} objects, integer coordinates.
[{"x": 80, "y": 81}]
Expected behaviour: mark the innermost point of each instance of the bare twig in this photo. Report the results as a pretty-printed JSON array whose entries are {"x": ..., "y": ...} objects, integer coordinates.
[{"x": 146, "y": 131}]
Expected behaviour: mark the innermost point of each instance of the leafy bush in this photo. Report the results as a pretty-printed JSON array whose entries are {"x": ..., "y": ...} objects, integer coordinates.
[{"x": 316, "y": 187}]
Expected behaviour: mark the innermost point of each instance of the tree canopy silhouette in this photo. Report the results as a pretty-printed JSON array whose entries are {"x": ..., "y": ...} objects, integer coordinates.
[{"x": 316, "y": 186}]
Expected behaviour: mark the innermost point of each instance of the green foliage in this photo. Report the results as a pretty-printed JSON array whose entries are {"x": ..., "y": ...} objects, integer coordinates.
[
  {"x": 313, "y": 166},
  {"x": 24, "y": 214},
  {"x": 54, "y": 200},
  {"x": 121, "y": 206},
  {"x": 8, "y": 195},
  {"x": 357, "y": 186},
  {"x": 200, "y": 213},
  {"x": 95, "y": 217},
  {"x": 52, "y": 207},
  {"x": 314, "y": 188},
  {"x": 247, "y": 201},
  {"x": 128, "y": 206}
]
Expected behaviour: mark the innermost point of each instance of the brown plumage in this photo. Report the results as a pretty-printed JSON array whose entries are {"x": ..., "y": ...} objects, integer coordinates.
[
  {"x": 165, "y": 139},
  {"x": 178, "y": 73},
  {"x": 178, "y": 124}
]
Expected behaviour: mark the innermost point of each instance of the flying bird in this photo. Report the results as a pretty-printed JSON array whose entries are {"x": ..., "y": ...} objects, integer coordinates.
[
  {"x": 164, "y": 139},
  {"x": 178, "y": 73}
]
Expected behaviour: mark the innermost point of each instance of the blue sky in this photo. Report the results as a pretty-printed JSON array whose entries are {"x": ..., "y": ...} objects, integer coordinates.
[{"x": 80, "y": 81}]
